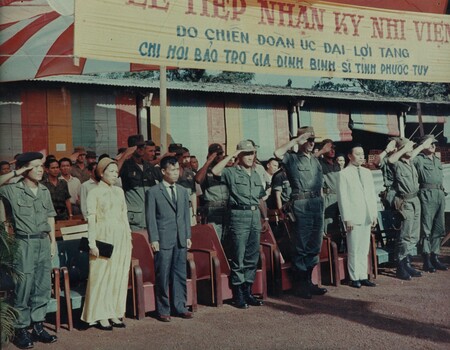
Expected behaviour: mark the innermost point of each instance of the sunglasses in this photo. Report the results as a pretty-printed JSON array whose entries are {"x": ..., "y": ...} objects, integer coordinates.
[{"x": 311, "y": 139}]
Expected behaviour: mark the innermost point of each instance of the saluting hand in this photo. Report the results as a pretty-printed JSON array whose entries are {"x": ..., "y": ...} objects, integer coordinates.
[
  {"x": 303, "y": 138},
  {"x": 390, "y": 146}
]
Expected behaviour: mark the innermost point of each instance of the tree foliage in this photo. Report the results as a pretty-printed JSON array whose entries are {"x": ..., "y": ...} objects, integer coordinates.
[
  {"x": 186, "y": 75},
  {"x": 420, "y": 90}
]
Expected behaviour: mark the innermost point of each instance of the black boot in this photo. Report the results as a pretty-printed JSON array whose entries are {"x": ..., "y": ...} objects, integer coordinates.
[
  {"x": 314, "y": 288},
  {"x": 302, "y": 289},
  {"x": 238, "y": 297},
  {"x": 427, "y": 266},
  {"x": 22, "y": 339},
  {"x": 412, "y": 271},
  {"x": 40, "y": 334},
  {"x": 401, "y": 271},
  {"x": 249, "y": 297},
  {"x": 436, "y": 263}
]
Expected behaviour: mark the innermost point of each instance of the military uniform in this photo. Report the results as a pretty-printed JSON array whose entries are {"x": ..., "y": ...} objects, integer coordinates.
[
  {"x": 30, "y": 214},
  {"x": 135, "y": 181},
  {"x": 432, "y": 198},
  {"x": 407, "y": 203},
  {"x": 387, "y": 198},
  {"x": 215, "y": 195},
  {"x": 187, "y": 180},
  {"x": 81, "y": 174},
  {"x": 245, "y": 222},
  {"x": 306, "y": 178},
  {"x": 331, "y": 209},
  {"x": 280, "y": 183}
]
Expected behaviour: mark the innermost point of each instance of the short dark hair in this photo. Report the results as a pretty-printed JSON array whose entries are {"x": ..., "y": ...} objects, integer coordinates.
[
  {"x": 185, "y": 150},
  {"x": 4, "y": 162},
  {"x": 49, "y": 161},
  {"x": 353, "y": 146},
  {"x": 150, "y": 143},
  {"x": 166, "y": 161},
  {"x": 65, "y": 159},
  {"x": 91, "y": 166}
]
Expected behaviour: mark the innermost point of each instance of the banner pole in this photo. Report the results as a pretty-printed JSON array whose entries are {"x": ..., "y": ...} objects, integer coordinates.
[{"x": 163, "y": 107}]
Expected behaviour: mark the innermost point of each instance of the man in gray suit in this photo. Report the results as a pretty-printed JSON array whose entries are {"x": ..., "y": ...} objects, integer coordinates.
[{"x": 169, "y": 228}]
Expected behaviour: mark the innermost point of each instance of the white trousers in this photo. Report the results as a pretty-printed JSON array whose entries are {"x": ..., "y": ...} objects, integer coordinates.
[{"x": 358, "y": 242}]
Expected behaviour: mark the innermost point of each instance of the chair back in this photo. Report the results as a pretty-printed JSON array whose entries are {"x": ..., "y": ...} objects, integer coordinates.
[
  {"x": 143, "y": 252},
  {"x": 77, "y": 262},
  {"x": 205, "y": 237}
]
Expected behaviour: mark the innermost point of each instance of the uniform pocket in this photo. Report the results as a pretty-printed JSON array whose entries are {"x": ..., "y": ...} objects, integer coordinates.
[{"x": 25, "y": 208}]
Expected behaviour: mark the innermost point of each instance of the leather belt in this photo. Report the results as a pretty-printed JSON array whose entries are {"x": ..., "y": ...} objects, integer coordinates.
[
  {"x": 328, "y": 191},
  {"x": 218, "y": 204},
  {"x": 431, "y": 186},
  {"x": 245, "y": 207},
  {"x": 24, "y": 235},
  {"x": 305, "y": 195},
  {"x": 407, "y": 195}
]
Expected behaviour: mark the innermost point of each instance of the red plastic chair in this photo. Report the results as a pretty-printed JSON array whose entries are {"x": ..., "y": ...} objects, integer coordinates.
[
  {"x": 213, "y": 269},
  {"x": 144, "y": 276}
]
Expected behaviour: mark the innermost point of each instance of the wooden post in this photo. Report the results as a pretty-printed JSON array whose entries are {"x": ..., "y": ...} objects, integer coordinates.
[{"x": 163, "y": 107}]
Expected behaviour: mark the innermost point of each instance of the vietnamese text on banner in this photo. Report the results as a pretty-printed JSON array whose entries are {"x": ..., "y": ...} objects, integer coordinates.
[{"x": 275, "y": 37}]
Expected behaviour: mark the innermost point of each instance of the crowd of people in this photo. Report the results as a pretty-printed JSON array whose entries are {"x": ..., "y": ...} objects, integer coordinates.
[{"x": 309, "y": 186}]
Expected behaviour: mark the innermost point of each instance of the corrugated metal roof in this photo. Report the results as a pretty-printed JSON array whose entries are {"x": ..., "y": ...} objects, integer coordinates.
[{"x": 232, "y": 89}]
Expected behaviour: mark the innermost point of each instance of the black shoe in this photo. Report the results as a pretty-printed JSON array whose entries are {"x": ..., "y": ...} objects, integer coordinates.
[
  {"x": 303, "y": 291},
  {"x": 427, "y": 265},
  {"x": 103, "y": 328},
  {"x": 411, "y": 271},
  {"x": 40, "y": 334},
  {"x": 118, "y": 325},
  {"x": 164, "y": 318},
  {"x": 22, "y": 339},
  {"x": 249, "y": 297},
  {"x": 401, "y": 271},
  {"x": 238, "y": 297},
  {"x": 316, "y": 290},
  {"x": 367, "y": 283},
  {"x": 355, "y": 284},
  {"x": 436, "y": 263}
]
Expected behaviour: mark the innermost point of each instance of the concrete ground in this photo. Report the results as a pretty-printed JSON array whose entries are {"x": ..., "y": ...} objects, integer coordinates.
[{"x": 394, "y": 315}]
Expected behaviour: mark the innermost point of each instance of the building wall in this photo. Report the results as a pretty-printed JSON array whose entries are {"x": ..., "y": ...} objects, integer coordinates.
[{"x": 58, "y": 118}]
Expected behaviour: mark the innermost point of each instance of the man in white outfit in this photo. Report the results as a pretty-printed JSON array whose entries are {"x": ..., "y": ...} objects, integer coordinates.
[{"x": 358, "y": 207}]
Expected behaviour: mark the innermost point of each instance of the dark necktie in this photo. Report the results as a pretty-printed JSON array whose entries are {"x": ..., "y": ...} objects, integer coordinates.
[
  {"x": 359, "y": 174},
  {"x": 174, "y": 199}
]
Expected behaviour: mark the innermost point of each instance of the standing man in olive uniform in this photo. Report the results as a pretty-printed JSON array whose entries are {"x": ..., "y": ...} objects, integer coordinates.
[
  {"x": 381, "y": 162},
  {"x": 406, "y": 185},
  {"x": 137, "y": 176},
  {"x": 34, "y": 230},
  {"x": 215, "y": 192},
  {"x": 246, "y": 206},
  {"x": 330, "y": 171},
  {"x": 306, "y": 178},
  {"x": 432, "y": 200}
]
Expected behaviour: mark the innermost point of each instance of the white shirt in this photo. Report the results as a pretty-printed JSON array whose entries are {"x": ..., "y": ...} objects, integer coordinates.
[
  {"x": 169, "y": 190},
  {"x": 74, "y": 185}
]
